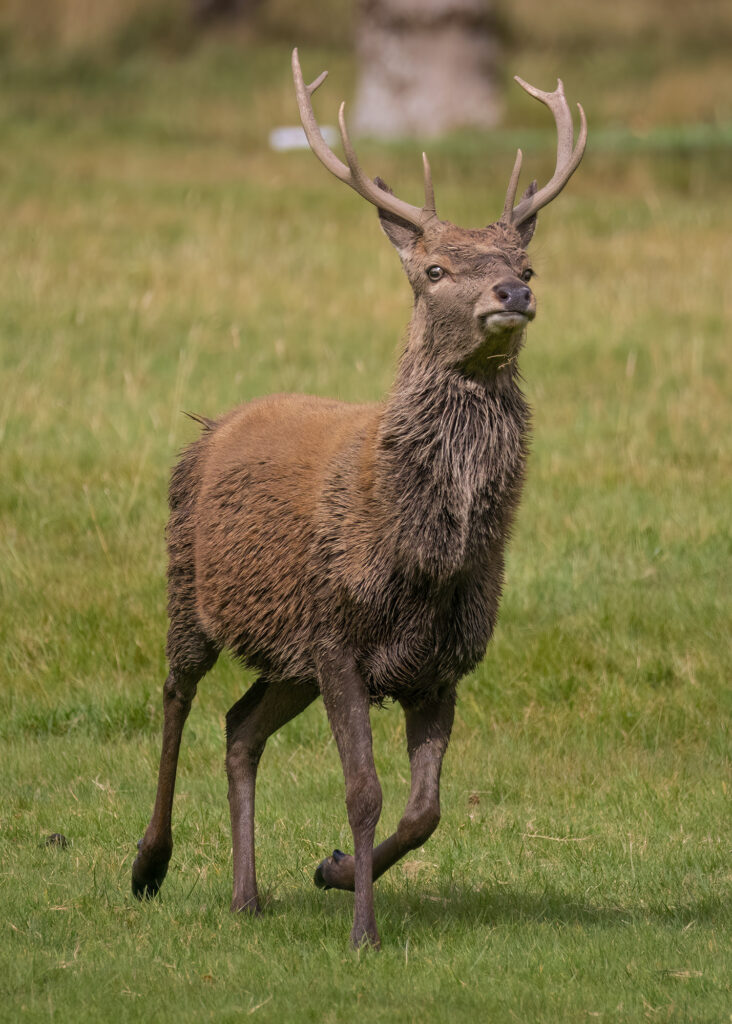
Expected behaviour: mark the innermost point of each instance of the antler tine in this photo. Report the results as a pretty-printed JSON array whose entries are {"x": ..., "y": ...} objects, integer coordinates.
[
  {"x": 557, "y": 103},
  {"x": 429, "y": 192},
  {"x": 309, "y": 122},
  {"x": 568, "y": 155},
  {"x": 360, "y": 182},
  {"x": 317, "y": 83},
  {"x": 512, "y": 186},
  {"x": 352, "y": 174}
]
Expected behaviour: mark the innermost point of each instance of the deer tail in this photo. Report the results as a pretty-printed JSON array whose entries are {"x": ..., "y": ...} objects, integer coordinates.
[{"x": 204, "y": 421}]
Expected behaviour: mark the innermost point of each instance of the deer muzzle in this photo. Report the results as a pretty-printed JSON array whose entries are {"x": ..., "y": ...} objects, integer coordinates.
[{"x": 506, "y": 305}]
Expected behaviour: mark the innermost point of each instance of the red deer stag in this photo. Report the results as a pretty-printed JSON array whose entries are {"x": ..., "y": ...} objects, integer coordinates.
[{"x": 355, "y": 552}]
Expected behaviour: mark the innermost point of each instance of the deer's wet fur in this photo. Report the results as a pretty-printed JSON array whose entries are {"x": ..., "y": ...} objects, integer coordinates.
[{"x": 356, "y": 552}]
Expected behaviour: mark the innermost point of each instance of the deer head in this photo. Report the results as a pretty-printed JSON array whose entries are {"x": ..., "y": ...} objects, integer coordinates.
[{"x": 470, "y": 286}]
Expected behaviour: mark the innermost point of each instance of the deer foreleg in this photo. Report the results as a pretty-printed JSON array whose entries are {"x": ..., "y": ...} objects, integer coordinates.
[
  {"x": 428, "y": 733},
  {"x": 263, "y": 709},
  {"x": 347, "y": 703}
]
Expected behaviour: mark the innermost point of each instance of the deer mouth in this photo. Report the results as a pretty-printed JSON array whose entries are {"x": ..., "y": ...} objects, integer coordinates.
[{"x": 505, "y": 319}]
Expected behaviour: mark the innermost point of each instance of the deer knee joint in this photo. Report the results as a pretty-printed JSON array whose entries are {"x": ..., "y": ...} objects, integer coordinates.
[
  {"x": 417, "y": 825},
  {"x": 180, "y": 689},
  {"x": 242, "y": 755},
  {"x": 363, "y": 801}
]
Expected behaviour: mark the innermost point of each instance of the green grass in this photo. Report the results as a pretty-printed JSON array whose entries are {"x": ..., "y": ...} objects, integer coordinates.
[{"x": 154, "y": 257}]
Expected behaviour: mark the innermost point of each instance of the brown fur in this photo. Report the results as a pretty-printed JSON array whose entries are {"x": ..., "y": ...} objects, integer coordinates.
[
  {"x": 356, "y": 552},
  {"x": 305, "y": 523}
]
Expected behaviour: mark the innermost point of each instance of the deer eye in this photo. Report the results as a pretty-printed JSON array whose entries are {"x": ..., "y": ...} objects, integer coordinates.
[
  {"x": 527, "y": 274},
  {"x": 434, "y": 273}
]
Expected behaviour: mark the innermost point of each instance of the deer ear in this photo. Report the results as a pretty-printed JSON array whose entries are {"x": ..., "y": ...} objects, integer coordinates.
[
  {"x": 526, "y": 230},
  {"x": 400, "y": 233}
]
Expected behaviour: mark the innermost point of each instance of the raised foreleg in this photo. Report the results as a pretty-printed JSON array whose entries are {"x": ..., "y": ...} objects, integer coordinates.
[{"x": 428, "y": 733}]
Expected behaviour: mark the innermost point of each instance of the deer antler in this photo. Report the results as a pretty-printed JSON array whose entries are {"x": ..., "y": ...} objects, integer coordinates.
[
  {"x": 568, "y": 156},
  {"x": 352, "y": 174}
]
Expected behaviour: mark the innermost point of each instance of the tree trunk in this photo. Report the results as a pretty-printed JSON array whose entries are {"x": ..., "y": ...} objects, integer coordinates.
[{"x": 426, "y": 67}]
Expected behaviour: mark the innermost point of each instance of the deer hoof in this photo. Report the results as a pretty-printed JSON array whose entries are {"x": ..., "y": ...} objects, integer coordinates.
[
  {"x": 335, "y": 872},
  {"x": 250, "y": 907},
  {"x": 365, "y": 938},
  {"x": 319, "y": 878},
  {"x": 148, "y": 873}
]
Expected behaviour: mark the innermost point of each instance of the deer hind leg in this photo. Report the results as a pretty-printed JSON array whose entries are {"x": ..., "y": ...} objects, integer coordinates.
[
  {"x": 347, "y": 703},
  {"x": 263, "y": 709},
  {"x": 428, "y": 733},
  {"x": 154, "y": 849}
]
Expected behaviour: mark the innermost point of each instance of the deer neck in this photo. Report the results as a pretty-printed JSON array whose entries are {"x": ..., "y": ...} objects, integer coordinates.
[{"x": 451, "y": 450}]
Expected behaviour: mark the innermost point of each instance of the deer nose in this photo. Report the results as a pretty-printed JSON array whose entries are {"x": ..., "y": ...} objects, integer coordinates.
[{"x": 513, "y": 294}]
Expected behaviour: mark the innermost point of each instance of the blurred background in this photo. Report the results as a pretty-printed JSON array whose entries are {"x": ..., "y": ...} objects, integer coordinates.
[
  {"x": 646, "y": 63},
  {"x": 156, "y": 255}
]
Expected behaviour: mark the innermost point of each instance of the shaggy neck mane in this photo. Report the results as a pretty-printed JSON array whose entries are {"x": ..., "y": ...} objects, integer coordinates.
[{"x": 450, "y": 459}]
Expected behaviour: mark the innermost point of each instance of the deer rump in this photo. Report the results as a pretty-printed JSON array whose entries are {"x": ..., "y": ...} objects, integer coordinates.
[{"x": 292, "y": 543}]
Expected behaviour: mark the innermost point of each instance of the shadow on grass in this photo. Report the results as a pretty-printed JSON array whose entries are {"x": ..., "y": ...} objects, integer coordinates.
[{"x": 510, "y": 905}]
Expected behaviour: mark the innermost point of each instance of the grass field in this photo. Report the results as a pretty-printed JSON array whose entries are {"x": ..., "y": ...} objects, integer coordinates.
[{"x": 154, "y": 257}]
